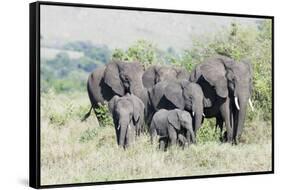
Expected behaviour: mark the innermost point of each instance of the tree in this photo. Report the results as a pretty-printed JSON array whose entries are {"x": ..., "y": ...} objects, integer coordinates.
[
  {"x": 252, "y": 43},
  {"x": 142, "y": 51}
]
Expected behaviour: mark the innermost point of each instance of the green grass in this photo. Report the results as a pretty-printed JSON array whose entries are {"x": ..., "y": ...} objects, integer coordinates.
[{"x": 75, "y": 152}]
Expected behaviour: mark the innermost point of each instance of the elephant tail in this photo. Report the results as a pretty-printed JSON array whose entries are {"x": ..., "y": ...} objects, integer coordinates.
[
  {"x": 87, "y": 115},
  {"x": 91, "y": 97}
]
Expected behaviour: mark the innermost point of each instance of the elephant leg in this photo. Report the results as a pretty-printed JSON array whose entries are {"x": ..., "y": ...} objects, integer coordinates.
[
  {"x": 183, "y": 141},
  {"x": 163, "y": 143},
  {"x": 188, "y": 137},
  {"x": 152, "y": 138},
  {"x": 219, "y": 124},
  {"x": 221, "y": 135},
  {"x": 235, "y": 124},
  {"x": 130, "y": 136},
  {"x": 225, "y": 112},
  {"x": 172, "y": 136},
  {"x": 138, "y": 129},
  {"x": 152, "y": 132}
]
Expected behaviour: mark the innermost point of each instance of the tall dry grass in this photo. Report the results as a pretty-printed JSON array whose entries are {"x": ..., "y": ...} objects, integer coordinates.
[{"x": 75, "y": 152}]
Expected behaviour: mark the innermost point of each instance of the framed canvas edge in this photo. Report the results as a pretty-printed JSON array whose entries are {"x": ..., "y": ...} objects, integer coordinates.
[
  {"x": 152, "y": 9},
  {"x": 34, "y": 94}
]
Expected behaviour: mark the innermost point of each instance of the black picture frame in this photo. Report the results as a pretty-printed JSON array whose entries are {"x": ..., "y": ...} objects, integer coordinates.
[{"x": 34, "y": 92}]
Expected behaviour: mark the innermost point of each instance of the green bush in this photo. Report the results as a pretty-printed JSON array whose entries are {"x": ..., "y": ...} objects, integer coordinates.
[
  {"x": 207, "y": 132},
  {"x": 103, "y": 115},
  {"x": 240, "y": 42},
  {"x": 143, "y": 51},
  {"x": 88, "y": 135},
  {"x": 61, "y": 108},
  {"x": 60, "y": 117}
]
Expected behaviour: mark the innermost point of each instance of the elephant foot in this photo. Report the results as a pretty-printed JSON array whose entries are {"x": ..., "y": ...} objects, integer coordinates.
[
  {"x": 163, "y": 144},
  {"x": 235, "y": 141},
  {"x": 224, "y": 138}
]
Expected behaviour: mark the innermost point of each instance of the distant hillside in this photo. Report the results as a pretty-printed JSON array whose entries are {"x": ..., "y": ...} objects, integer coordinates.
[
  {"x": 119, "y": 28},
  {"x": 51, "y": 53}
]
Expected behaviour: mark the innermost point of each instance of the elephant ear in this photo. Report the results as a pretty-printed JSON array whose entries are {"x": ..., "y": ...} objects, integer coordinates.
[
  {"x": 221, "y": 88},
  {"x": 112, "y": 103},
  {"x": 173, "y": 119},
  {"x": 195, "y": 74},
  {"x": 173, "y": 93},
  {"x": 138, "y": 107},
  {"x": 112, "y": 78},
  {"x": 250, "y": 70},
  {"x": 214, "y": 73},
  {"x": 230, "y": 77},
  {"x": 148, "y": 77}
]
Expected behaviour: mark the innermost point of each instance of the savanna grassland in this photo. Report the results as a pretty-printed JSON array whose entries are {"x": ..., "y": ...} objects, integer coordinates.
[
  {"x": 77, "y": 152},
  {"x": 73, "y": 151}
]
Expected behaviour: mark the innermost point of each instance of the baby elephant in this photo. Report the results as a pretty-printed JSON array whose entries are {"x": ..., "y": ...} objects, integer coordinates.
[
  {"x": 172, "y": 127},
  {"x": 128, "y": 117}
]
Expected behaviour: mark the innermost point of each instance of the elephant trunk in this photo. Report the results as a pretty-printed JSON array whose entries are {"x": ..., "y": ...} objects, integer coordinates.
[
  {"x": 192, "y": 136},
  {"x": 198, "y": 114},
  {"x": 122, "y": 134},
  {"x": 241, "y": 113}
]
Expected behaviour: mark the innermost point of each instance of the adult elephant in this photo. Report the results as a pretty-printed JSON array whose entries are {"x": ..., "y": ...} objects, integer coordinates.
[
  {"x": 116, "y": 78},
  {"x": 158, "y": 73},
  {"x": 227, "y": 87},
  {"x": 183, "y": 95}
]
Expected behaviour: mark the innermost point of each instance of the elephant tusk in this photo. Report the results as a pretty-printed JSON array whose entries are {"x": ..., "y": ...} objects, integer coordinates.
[
  {"x": 204, "y": 115},
  {"x": 193, "y": 113},
  {"x": 251, "y": 105},
  {"x": 129, "y": 126},
  {"x": 118, "y": 127},
  {"x": 236, "y": 103}
]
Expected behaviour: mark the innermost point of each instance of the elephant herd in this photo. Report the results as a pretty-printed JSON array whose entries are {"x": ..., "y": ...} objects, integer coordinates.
[{"x": 171, "y": 101}]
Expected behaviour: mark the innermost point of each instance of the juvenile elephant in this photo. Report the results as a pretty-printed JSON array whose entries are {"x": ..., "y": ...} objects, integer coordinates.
[
  {"x": 158, "y": 73},
  {"x": 227, "y": 86},
  {"x": 172, "y": 127},
  {"x": 183, "y": 95},
  {"x": 116, "y": 78},
  {"x": 128, "y": 117}
]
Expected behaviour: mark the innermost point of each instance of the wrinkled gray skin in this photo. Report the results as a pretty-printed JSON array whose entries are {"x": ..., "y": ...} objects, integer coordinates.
[
  {"x": 116, "y": 78},
  {"x": 222, "y": 79},
  {"x": 128, "y": 117},
  {"x": 172, "y": 127},
  {"x": 158, "y": 73},
  {"x": 183, "y": 95}
]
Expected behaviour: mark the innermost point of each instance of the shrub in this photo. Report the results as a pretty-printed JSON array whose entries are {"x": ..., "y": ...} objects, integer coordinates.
[
  {"x": 88, "y": 135},
  {"x": 103, "y": 115},
  {"x": 240, "y": 42},
  {"x": 62, "y": 114},
  {"x": 57, "y": 118},
  {"x": 142, "y": 51},
  {"x": 207, "y": 132},
  {"x": 60, "y": 108}
]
